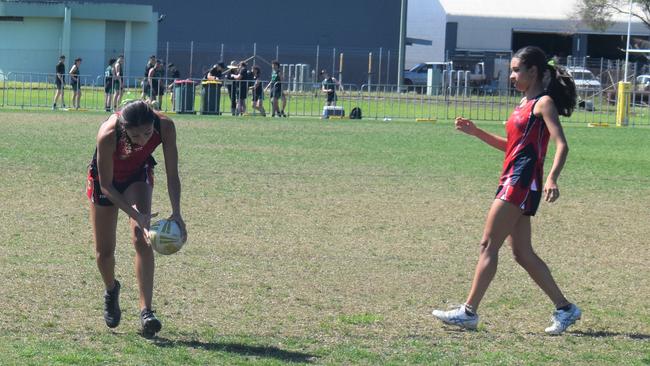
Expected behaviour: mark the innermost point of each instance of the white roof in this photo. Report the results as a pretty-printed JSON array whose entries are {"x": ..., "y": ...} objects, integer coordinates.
[{"x": 520, "y": 9}]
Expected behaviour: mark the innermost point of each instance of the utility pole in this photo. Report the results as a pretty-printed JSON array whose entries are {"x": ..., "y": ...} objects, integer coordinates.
[{"x": 402, "y": 45}]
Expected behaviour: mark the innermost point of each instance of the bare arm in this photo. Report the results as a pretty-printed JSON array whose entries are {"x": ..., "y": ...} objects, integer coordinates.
[
  {"x": 170, "y": 151},
  {"x": 468, "y": 127},
  {"x": 546, "y": 108}
]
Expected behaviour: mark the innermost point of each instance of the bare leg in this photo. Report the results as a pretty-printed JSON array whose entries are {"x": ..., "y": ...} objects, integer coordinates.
[
  {"x": 104, "y": 222},
  {"x": 140, "y": 195},
  {"x": 500, "y": 222},
  {"x": 524, "y": 254}
]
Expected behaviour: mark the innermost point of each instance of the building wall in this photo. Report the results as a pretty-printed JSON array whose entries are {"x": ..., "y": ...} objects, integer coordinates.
[
  {"x": 32, "y": 45},
  {"x": 426, "y": 20},
  {"x": 488, "y": 26},
  {"x": 296, "y": 27},
  {"x": 97, "y": 32}
]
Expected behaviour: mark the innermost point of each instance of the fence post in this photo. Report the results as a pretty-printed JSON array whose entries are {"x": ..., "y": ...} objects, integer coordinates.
[
  {"x": 254, "y": 53},
  {"x": 191, "y": 56},
  {"x": 388, "y": 67},
  {"x": 277, "y": 53},
  {"x": 381, "y": 49},
  {"x": 317, "y": 60}
]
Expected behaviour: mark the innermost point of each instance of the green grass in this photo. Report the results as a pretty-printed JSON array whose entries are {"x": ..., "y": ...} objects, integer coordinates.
[{"x": 322, "y": 242}]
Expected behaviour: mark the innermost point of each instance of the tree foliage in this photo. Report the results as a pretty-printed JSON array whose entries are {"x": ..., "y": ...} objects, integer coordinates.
[{"x": 598, "y": 13}]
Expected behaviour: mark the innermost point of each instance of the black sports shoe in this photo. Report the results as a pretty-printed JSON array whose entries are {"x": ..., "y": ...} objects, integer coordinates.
[
  {"x": 112, "y": 312},
  {"x": 150, "y": 324}
]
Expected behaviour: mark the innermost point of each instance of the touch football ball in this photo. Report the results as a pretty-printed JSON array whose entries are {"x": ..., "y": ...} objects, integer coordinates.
[{"x": 165, "y": 236}]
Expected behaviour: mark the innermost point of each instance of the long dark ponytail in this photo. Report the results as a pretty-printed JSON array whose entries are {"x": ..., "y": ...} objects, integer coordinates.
[{"x": 561, "y": 87}]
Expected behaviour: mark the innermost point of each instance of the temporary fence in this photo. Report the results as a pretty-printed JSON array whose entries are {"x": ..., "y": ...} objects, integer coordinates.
[{"x": 379, "y": 102}]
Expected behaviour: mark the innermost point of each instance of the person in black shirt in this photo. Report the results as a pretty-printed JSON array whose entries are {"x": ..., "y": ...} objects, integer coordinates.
[
  {"x": 75, "y": 82},
  {"x": 59, "y": 81},
  {"x": 216, "y": 72},
  {"x": 241, "y": 87},
  {"x": 108, "y": 84},
  {"x": 146, "y": 86},
  {"x": 258, "y": 91}
]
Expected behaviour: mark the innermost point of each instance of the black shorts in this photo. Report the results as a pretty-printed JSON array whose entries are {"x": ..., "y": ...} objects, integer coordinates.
[
  {"x": 258, "y": 94},
  {"x": 117, "y": 85},
  {"x": 108, "y": 86},
  {"x": 76, "y": 85},
  {"x": 94, "y": 190},
  {"x": 331, "y": 97},
  {"x": 58, "y": 83},
  {"x": 276, "y": 91}
]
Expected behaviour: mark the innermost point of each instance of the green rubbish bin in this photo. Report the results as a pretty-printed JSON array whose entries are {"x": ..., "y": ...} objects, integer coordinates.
[
  {"x": 210, "y": 97},
  {"x": 184, "y": 96}
]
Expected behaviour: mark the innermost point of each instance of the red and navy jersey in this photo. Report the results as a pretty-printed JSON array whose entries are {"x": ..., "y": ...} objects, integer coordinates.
[
  {"x": 128, "y": 159},
  {"x": 526, "y": 145}
]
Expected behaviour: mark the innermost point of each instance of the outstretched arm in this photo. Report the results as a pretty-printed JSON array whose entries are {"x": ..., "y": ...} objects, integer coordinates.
[{"x": 468, "y": 127}]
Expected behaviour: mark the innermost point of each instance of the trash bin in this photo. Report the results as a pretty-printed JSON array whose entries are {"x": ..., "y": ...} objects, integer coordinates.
[
  {"x": 184, "y": 96},
  {"x": 210, "y": 97}
]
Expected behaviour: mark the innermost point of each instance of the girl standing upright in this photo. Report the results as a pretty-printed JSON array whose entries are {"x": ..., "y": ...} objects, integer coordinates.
[{"x": 530, "y": 127}]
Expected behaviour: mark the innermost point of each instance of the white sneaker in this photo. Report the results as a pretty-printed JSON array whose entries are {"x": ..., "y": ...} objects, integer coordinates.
[
  {"x": 562, "y": 319},
  {"x": 457, "y": 317}
]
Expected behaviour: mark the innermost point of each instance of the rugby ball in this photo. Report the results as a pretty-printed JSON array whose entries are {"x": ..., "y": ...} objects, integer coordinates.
[{"x": 166, "y": 237}]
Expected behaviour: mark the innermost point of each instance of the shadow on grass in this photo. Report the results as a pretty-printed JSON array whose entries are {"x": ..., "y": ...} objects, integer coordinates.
[
  {"x": 241, "y": 349},
  {"x": 606, "y": 334}
]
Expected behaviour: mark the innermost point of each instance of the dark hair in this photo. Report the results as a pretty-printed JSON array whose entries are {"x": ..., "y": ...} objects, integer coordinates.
[
  {"x": 111, "y": 61},
  {"x": 561, "y": 87},
  {"x": 136, "y": 113},
  {"x": 62, "y": 57},
  {"x": 221, "y": 65},
  {"x": 257, "y": 69},
  {"x": 77, "y": 59},
  {"x": 275, "y": 62}
]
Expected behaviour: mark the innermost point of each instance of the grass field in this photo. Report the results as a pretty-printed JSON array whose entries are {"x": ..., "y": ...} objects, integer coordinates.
[{"x": 325, "y": 243}]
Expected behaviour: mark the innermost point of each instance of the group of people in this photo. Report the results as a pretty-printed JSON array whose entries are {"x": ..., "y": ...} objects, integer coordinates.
[
  {"x": 120, "y": 177},
  {"x": 155, "y": 82},
  {"x": 75, "y": 83},
  {"x": 241, "y": 80}
]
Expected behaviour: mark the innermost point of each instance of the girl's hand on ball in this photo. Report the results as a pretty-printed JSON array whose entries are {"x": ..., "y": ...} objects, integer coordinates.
[{"x": 179, "y": 220}]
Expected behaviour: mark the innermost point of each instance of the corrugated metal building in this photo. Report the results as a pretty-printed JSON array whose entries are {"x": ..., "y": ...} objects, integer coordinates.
[
  {"x": 492, "y": 27},
  {"x": 292, "y": 28}
]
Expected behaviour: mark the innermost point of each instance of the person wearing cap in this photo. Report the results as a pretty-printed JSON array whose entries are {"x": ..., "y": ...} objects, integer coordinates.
[
  {"x": 59, "y": 81},
  {"x": 75, "y": 83}
]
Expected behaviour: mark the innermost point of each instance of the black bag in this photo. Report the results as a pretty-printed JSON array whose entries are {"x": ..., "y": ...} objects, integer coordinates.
[{"x": 355, "y": 113}]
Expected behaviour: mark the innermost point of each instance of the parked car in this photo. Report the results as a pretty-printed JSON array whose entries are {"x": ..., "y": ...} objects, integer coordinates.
[
  {"x": 585, "y": 80},
  {"x": 416, "y": 77}
]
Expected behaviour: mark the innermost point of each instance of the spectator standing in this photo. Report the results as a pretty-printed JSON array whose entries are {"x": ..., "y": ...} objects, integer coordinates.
[
  {"x": 59, "y": 81},
  {"x": 75, "y": 82},
  {"x": 258, "y": 91},
  {"x": 118, "y": 70},
  {"x": 108, "y": 84}
]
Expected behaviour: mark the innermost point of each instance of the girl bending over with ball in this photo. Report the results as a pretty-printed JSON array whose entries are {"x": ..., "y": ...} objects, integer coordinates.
[
  {"x": 120, "y": 177},
  {"x": 548, "y": 92}
]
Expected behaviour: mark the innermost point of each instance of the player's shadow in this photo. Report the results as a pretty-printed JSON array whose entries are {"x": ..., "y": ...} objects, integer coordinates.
[
  {"x": 239, "y": 348},
  {"x": 606, "y": 334}
]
